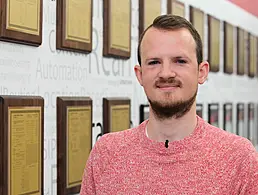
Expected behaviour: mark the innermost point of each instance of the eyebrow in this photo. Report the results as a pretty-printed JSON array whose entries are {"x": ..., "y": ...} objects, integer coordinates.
[{"x": 180, "y": 57}]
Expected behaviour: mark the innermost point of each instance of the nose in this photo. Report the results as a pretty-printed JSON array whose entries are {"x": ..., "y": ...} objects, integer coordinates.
[{"x": 166, "y": 71}]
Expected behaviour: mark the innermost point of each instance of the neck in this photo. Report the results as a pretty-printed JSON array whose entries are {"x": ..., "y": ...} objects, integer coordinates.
[{"x": 171, "y": 129}]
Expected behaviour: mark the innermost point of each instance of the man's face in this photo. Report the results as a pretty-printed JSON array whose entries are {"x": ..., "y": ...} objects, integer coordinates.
[{"x": 169, "y": 71}]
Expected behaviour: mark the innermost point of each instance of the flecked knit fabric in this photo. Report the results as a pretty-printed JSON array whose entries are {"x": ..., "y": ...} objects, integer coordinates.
[{"x": 209, "y": 161}]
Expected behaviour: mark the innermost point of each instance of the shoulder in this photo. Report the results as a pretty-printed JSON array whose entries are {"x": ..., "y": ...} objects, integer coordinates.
[
  {"x": 227, "y": 142},
  {"x": 115, "y": 140},
  {"x": 109, "y": 146}
]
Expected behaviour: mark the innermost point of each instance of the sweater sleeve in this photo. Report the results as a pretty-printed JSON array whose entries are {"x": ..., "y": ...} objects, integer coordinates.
[
  {"x": 249, "y": 175},
  {"x": 96, "y": 163},
  {"x": 88, "y": 184}
]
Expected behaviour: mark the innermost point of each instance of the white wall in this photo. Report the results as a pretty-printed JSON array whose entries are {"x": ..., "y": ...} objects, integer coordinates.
[{"x": 38, "y": 71}]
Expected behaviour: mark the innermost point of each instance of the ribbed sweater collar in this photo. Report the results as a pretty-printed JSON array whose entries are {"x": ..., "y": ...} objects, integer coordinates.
[{"x": 188, "y": 142}]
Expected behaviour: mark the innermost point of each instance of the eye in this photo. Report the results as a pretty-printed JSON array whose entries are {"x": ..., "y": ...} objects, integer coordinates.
[
  {"x": 153, "y": 62},
  {"x": 180, "y": 61}
]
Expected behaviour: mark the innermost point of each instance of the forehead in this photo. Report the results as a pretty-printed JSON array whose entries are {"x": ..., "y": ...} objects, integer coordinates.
[{"x": 175, "y": 40}]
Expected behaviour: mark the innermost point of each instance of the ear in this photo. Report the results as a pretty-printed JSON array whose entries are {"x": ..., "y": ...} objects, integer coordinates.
[
  {"x": 204, "y": 69},
  {"x": 138, "y": 73}
]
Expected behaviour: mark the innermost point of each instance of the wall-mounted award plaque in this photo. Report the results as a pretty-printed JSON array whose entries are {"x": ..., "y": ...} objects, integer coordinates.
[
  {"x": 116, "y": 114},
  {"x": 117, "y": 28},
  {"x": 21, "y": 21},
  {"x": 21, "y": 145},
  {"x": 213, "y": 114},
  {"x": 74, "y": 142},
  {"x": 74, "y": 25}
]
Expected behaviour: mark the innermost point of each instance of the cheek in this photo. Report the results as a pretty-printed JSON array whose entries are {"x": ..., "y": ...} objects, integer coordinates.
[
  {"x": 190, "y": 83},
  {"x": 148, "y": 85},
  {"x": 147, "y": 80},
  {"x": 191, "y": 86}
]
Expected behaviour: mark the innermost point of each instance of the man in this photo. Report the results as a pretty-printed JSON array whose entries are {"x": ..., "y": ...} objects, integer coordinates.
[{"x": 174, "y": 151}]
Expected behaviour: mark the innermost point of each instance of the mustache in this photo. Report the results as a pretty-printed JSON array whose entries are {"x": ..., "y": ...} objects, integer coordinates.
[{"x": 170, "y": 81}]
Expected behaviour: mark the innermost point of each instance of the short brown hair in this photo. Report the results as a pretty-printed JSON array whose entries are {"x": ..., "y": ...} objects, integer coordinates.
[{"x": 173, "y": 22}]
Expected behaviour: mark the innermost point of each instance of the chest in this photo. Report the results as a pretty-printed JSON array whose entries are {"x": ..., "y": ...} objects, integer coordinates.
[{"x": 166, "y": 176}]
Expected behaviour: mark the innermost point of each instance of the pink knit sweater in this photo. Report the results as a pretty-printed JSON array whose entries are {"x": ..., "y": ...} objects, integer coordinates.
[{"x": 209, "y": 161}]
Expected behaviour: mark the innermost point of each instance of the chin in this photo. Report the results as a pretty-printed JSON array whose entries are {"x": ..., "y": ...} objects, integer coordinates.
[
  {"x": 170, "y": 98},
  {"x": 167, "y": 108},
  {"x": 168, "y": 102}
]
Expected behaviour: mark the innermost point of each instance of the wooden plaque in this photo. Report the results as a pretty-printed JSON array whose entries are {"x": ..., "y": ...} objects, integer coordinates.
[
  {"x": 148, "y": 11},
  {"x": 21, "y": 21},
  {"x": 240, "y": 129},
  {"x": 197, "y": 19},
  {"x": 213, "y": 43},
  {"x": 213, "y": 114},
  {"x": 241, "y": 51},
  {"x": 228, "y": 47},
  {"x": 74, "y": 25},
  {"x": 21, "y": 145},
  {"x": 227, "y": 117},
  {"x": 176, "y": 8},
  {"x": 199, "y": 110},
  {"x": 117, "y": 28},
  {"x": 256, "y": 54},
  {"x": 144, "y": 112},
  {"x": 74, "y": 142},
  {"x": 251, "y": 123},
  {"x": 252, "y": 65},
  {"x": 116, "y": 114}
]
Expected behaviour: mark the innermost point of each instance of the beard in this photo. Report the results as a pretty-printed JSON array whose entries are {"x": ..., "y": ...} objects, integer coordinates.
[{"x": 175, "y": 110}]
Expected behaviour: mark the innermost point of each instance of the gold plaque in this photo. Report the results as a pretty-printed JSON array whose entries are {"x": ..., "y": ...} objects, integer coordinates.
[
  {"x": 24, "y": 150},
  {"x": 23, "y": 16},
  {"x": 120, "y": 22},
  {"x": 246, "y": 49},
  {"x": 78, "y": 16},
  {"x": 178, "y": 8},
  {"x": 120, "y": 117},
  {"x": 197, "y": 19},
  {"x": 229, "y": 43},
  {"x": 214, "y": 43},
  {"x": 152, "y": 9},
  {"x": 241, "y": 52},
  {"x": 253, "y": 55},
  {"x": 78, "y": 142}
]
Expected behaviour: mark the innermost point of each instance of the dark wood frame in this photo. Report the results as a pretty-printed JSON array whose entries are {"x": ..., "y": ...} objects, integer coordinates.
[
  {"x": 251, "y": 108},
  {"x": 107, "y": 104},
  {"x": 7, "y": 101},
  {"x": 142, "y": 111},
  {"x": 239, "y": 72},
  {"x": 213, "y": 67},
  {"x": 15, "y": 36},
  {"x": 240, "y": 104},
  {"x": 210, "y": 111},
  {"x": 62, "y": 104},
  {"x": 142, "y": 16},
  {"x": 199, "y": 105},
  {"x": 170, "y": 3},
  {"x": 107, "y": 50},
  {"x": 225, "y": 114},
  {"x": 61, "y": 42},
  {"x": 227, "y": 66}
]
